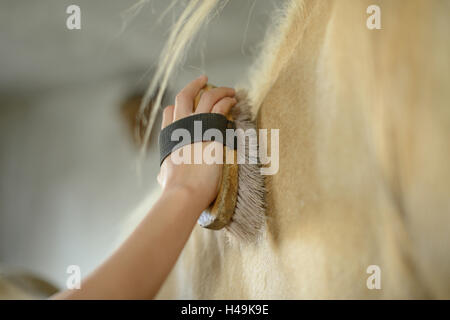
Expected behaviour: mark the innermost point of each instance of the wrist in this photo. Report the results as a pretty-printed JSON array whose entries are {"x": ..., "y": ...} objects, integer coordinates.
[
  {"x": 186, "y": 196},
  {"x": 182, "y": 194}
]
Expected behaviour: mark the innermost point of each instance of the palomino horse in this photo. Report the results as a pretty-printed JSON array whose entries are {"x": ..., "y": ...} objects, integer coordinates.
[{"x": 364, "y": 174}]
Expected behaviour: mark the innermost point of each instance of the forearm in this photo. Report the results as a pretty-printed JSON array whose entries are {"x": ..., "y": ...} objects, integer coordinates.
[{"x": 140, "y": 266}]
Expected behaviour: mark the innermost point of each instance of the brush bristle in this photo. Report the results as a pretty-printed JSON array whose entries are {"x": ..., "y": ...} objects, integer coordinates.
[{"x": 249, "y": 215}]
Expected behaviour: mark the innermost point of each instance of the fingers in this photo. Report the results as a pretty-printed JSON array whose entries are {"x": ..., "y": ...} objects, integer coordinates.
[
  {"x": 167, "y": 116},
  {"x": 184, "y": 101},
  {"x": 217, "y": 100},
  {"x": 224, "y": 105},
  {"x": 211, "y": 97}
]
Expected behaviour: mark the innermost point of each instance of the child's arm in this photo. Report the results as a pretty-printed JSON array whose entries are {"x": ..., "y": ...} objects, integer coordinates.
[{"x": 140, "y": 266}]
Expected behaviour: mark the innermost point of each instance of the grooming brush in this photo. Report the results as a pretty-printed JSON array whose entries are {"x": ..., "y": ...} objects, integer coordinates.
[{"x": 239, "y": 206}]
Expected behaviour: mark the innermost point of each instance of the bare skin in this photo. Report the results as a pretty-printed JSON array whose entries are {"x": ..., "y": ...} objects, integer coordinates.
[{"x": 139, "y": 267}]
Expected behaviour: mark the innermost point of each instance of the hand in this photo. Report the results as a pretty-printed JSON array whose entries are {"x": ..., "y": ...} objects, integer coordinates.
[{"x": 202, "y": 181}]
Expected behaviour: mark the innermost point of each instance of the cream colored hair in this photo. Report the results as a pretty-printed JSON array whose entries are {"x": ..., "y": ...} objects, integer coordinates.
[{"x": 187, "y": 26}]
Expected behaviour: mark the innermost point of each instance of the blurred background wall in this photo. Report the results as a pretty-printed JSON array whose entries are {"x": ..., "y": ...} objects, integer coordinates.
[{"x": 67, "y": 160}]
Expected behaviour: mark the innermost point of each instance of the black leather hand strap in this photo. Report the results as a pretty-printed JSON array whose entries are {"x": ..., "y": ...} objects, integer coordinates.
[{"x": 200, "y": 122}]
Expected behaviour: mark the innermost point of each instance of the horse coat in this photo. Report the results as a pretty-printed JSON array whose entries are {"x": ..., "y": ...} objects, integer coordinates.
[{"x": 364, "y": 173}]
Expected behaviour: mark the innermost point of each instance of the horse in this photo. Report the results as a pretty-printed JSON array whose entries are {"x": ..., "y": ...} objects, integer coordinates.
[{"x": 362, "y": 188}]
